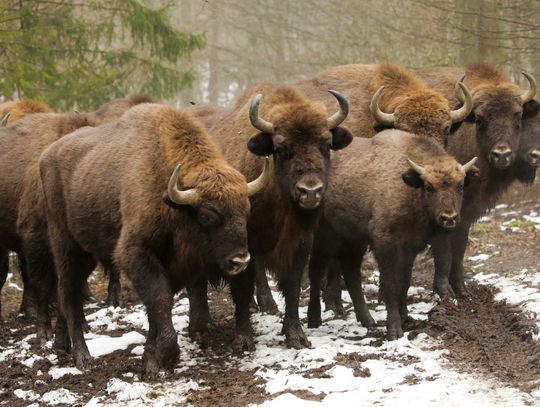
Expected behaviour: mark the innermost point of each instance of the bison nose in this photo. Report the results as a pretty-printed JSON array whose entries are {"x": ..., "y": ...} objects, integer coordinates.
[
  {"x": 534, "y": 157},
  {"x": 238, "y": 263},
  {"x": 448, "y": 219},
  {"x": 309, "y": 195},
  {"x": 502, "y": 156}
]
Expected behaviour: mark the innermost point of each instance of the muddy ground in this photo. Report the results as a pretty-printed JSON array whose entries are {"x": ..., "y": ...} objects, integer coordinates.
[{"x": 484, "y": 337}]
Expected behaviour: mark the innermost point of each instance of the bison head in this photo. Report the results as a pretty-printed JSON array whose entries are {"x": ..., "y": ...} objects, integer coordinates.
[
  {"x": 300, "y": 139},
  {"x": 424, "y": 113},
  {"x": 528, "y": 156},
  {"x": 219, "y": 209},
  {"x": 497, "y": 114},
  {"x": 442, "y": 182}
]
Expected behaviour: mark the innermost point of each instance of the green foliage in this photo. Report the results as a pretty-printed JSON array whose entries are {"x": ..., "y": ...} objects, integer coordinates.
[{"x": 83, "y": 53}]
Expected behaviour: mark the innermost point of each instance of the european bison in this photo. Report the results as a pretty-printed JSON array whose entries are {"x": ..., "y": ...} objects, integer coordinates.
[
  {"x": 407, "y": 102},
  {"x": 104, "y": 189},
  {"x": 22, "y": 217},
  {"x": 492, "y": 132},
  {"x": 300, "y": 136},
  {"x": 12, "y": 111},
  {"x": 393, "y": 193}
]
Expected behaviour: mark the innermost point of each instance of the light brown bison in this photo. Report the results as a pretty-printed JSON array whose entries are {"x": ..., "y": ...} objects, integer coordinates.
[
  {"x": 12, "y": 111},
  {"x": 393, "y": 192},
  {"x": 389, "y": 96},
  {"x": 492, "y": 132},
  {"x": 22, "y": 221},
  {"x": 300, "y": 135},
  {"x": 104, "y": 189}
]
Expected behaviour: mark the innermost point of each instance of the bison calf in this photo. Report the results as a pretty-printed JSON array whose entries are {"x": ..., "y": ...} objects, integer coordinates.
[
  {"x": 104, "y": 189},
  {"x": 392, "y": 192}
]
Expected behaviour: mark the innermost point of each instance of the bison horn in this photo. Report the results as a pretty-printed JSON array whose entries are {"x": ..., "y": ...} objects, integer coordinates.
[
  {"x": 187, "y": 197},
  {"x": 531, "y": 93},
  {"x": 466, "y": 167},
  {"x": 4, "y": 121},
  {"x": 418, "y": 168},
  {"x": 465, "y": 97},
  {"x": 256, "y": 121},
  {"x": 258, "y": 184},
  {"x": 381, "y": 117},
  {"x": 337, "y": 118}
]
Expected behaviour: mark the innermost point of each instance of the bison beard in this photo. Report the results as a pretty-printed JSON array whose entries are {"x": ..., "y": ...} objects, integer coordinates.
[
  {"x": 111, "y": 208},
  {"x": 492, "y": 132}
]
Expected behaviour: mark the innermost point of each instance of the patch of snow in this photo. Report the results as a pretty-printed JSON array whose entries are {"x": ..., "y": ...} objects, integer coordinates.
[
  {"x": 480, "y": 257},
  {"x": 26, "y": 394},
  {"x": 60, "y": 396},
  {"x": 100, "y": 345},
  {"x": 58, "y": 372}
]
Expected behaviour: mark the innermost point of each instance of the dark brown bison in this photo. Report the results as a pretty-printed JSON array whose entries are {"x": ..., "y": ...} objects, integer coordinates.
[
  {"x": 492, "y": 132},
  {"x": 406, "y": 103},
  {"x": 393, "y": 192},
  {"x": 104, "y": 189},
  {"x": 528, "y": 156},
  {"x": 300, "y": 135},
  {"x": 12, "y": 111},
  {"x": 22, "y": 218}
]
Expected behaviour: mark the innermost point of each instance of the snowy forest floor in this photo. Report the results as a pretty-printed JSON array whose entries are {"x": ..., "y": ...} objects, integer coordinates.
[{"x": 482, "y": 351}]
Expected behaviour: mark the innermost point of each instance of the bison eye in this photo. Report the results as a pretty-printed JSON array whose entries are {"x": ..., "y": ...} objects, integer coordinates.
[
  {"x": 429, "y": 188},
  {"x": 208, "y": 218}
]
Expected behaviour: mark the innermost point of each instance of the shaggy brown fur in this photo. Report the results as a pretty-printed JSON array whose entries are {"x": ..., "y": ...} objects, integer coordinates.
[
  {"x": 417, "y": 108},
  {"x": 376, "y": 199},
  {"x": 280, "y": 229},
  {"x": 21, "y": 108},
  {"x": 495, "y": 121},
  {"x": 104, "y": 189},
  {"x": 115, "y": 108},
  {"x": 22, "y": 222}
]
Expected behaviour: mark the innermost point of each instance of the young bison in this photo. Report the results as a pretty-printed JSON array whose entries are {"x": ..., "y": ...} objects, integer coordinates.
[
  {"x": 104, "y": 191},
  {"x": 393, "y": 193}
]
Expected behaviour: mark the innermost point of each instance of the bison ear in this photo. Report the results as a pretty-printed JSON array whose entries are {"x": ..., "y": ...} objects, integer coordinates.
[
  {"x": 261, "y": 144},
  {"x": 412, "y": 179},
  {"x": 455, "y": 127},
  {"x": 378, "y": 127},
  {"x": 472, "y": 175},
  {"x": 531, "y": 108},
  {"x": 341, "y": 138}
]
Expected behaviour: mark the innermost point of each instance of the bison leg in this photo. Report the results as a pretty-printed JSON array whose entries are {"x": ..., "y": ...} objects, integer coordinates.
[
  {"x": 318, "y": 264},
  {"x": 290, "y": 281},
  {"x": 391, "y": 280},
  {"x": 242, "y": 287},
  {"x": 73, "y": 266},
  {"x": 149, "y": 280},
  {"x": 353, "y": 279},
  {"x": 4, "y": 267},
  {"x": 460, "y": 239},
  {"x": 40, "y": 277},
  {"x": 87, "y": 294},
  {"x": 442, "y": 255},
  {"x": 199, "y": 313},
  {"x": 114, "y": 289},
  {"x": 332, "y": 291},
  {"x": 265, "y": 300},
  {"x": 28, "y": 307},
  {"x": 406, "y": 266}
]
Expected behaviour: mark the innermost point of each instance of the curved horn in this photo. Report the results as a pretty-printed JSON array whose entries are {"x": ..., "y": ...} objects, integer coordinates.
[
  {"x": 188, "y": 197},
  {"x": 465, "y": 97},
  {"x": 4, "y": 121},
  {"x": 383, "y": 118},
  {"x": 531, "y": 93},
  {"x": 258, "y": 184},
  {"x": 256, "y": 121},
  {"x": 337, "y": 118},
  {"x": 466, "y": 167},
  {"x": 418, "y": 168},
  {"x": 76, "y": 111}
]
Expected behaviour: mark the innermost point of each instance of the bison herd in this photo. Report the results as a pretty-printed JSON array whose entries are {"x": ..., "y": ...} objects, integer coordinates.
[{"x": 307, "y": 175}]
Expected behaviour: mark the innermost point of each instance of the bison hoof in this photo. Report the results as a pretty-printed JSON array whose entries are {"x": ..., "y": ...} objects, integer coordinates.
[
  {"x": 444, "y": 290},
  {"x": 296, "y": 338},
  {"x": 243, "y": 342},
  {"x": 267, "y": 305},
  {"x": 113, "y": 300},
  {"x": 44, "y": 333},
  {"x": 314, "y": 317},
  {"x": 336, "y": 307},
  {"x": 197, "y": 330},
  {"x": 28, "y": 308},
  {"x": 82, "y": 359},
  {"x": 394, "y": 332},
  {"x": 151, "y": 366},
  {"x": 460, "y": 290},
  {"x": 366, "y": 320}
]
